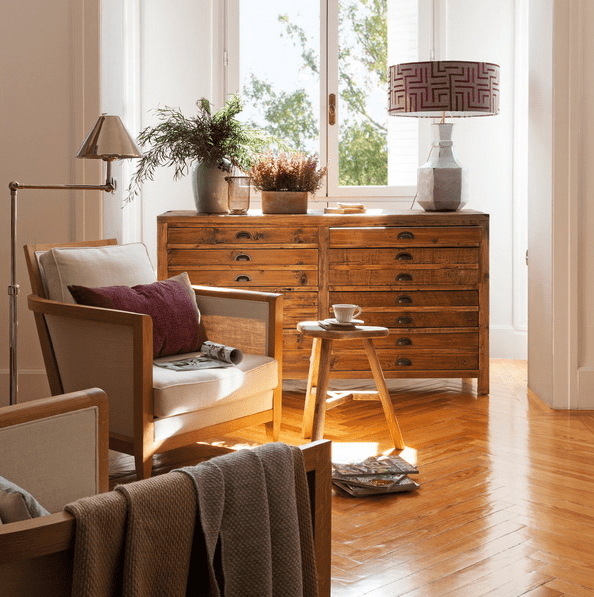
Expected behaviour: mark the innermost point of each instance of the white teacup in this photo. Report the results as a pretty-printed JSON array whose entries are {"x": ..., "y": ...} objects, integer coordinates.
[{"x": 346, "y": 313}]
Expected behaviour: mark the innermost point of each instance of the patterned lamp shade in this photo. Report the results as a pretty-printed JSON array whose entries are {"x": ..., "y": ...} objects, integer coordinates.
[{"x": 449, "y": 88}]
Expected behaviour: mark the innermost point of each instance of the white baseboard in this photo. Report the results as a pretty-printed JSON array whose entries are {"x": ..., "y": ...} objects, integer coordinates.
[
  {"x": 32, "y": 385},
  {"x": 506, "y": 342}
]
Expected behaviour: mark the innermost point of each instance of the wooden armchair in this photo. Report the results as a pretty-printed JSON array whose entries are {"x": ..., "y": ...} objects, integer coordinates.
[
  {"x": 36, "y": 555},
  {"x": 87, "y": 347}
]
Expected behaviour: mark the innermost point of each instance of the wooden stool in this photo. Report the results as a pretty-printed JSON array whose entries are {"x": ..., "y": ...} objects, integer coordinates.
[{"x": 319, "y": 374}]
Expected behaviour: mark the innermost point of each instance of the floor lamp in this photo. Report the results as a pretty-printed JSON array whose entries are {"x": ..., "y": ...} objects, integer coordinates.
[{"x": 108, "y": 141}]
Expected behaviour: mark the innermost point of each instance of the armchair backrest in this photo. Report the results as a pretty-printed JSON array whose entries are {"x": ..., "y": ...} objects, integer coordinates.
[{"x": 57, "y": 448}]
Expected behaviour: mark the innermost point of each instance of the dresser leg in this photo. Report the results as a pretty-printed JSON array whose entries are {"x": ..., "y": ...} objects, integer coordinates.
[{"x": 382, "y": 388}]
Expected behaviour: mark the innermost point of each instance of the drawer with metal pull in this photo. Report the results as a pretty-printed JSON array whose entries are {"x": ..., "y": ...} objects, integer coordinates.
[
  {"x": 242, "y": 235},
  {"x": 397, "y": 236},
  {"x": 420, "y": 275},
  {"x": 369, "y": 258},
  {"x": 403, "y": 299},
  {"x": 249, "y": 277},
  {"x": 403, "y": 361},
  {"x": 237, "y": 258}
]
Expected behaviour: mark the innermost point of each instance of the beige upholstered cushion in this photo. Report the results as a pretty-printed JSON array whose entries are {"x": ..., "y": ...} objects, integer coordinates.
[
  {"x": 12, "y": 507},
  {"x": 53, "y": 459},
  {"x": 177, "y": 392},
  {"x": 111, "y": 265}
]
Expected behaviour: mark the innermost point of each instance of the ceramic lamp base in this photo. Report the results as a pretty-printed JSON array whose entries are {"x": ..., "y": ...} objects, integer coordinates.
[{"x": 441, "y": 181}]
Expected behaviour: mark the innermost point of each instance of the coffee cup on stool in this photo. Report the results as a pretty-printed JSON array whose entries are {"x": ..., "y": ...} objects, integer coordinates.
[{"x": 346, "y": 313}]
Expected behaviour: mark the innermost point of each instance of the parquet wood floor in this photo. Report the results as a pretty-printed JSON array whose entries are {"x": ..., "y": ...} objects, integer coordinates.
[{"x": 506, "y": 503}]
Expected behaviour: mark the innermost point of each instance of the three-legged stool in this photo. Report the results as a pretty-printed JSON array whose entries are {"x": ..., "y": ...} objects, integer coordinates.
[{"x": 319, "y": 374}]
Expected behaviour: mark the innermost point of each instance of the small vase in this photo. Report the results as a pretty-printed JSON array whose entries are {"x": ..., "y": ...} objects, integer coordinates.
[
  {"x": 210, "y": 189},
  {"x": 284, "y": 202}
]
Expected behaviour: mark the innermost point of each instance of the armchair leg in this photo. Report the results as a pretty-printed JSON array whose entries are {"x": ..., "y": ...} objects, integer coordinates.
[
  {"x": 144, "y": 466},
  {"x": 277, "y": 414}
]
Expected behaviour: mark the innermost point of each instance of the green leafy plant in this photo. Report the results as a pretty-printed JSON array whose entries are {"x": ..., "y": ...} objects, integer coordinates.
[
  {"x": 286, "y": 172},
  {"x": 217, "y": 139}
]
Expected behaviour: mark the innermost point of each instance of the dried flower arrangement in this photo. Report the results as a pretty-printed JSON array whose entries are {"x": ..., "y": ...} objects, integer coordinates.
[{"x": 286, "y": 172}]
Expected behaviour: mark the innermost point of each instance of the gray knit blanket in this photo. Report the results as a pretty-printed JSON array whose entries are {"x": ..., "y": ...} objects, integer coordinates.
[{"x": 256, "y": 519}]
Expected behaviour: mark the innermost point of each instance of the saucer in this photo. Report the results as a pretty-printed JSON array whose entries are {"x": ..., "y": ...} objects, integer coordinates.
[{"x": 337, "y": 324}]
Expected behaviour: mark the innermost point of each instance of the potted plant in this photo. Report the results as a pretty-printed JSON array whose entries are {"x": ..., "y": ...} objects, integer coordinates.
[
  {"x": 286, "y": 180},
  {"x": 209, "y": 145}
]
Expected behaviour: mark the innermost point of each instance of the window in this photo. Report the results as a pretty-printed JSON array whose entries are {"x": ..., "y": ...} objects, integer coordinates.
[{"x": 299, "y": 61}]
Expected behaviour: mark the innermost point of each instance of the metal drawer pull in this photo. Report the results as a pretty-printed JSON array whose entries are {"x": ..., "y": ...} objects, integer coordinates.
[
  {"x": 404, "y": 278},
  {"x": 403, "y": 299},
  {"x": 403, "y": 342},
  {"x": 405, "y": 235},
  {"x": 404, "y": 320},
  {"x": 243, "y": 278},
  {"x": 404, "y": 362},
  {"x": 404, "y": 257},
  {"x": 248, "y": 236},
  {"x": 242, "y": 257}
]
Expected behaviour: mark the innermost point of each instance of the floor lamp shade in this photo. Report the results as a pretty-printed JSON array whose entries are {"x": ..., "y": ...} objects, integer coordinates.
[
  {"x": 109, "y": 140},
  {"x": 443, "y": 89}
]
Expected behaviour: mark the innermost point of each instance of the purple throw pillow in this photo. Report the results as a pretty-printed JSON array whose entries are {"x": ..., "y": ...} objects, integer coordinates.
[{"x": 170, "y": 303}]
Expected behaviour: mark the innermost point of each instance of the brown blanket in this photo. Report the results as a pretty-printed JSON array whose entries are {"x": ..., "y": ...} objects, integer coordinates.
[{"x": 135, "y": 541}]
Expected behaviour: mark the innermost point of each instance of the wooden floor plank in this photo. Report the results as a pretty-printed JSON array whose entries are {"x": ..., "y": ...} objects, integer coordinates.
[{"x": 505, "y": 504}]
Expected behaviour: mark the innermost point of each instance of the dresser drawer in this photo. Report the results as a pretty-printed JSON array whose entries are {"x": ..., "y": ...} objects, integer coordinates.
[
  {"x": 404, "y": 299},
  {"x": 402, "y": 237},
  {"x": 438, "y": 318},
  {"x": 402, "y": 257},
  {"x": 242, "y": 235},
  {"x": 250, "y": 277},
  {"x": 298, "y": 306},
  {"x": 396, "y": 361},
  {"x": 405, "y": 276},
  {"x": 244, "y": 257}
]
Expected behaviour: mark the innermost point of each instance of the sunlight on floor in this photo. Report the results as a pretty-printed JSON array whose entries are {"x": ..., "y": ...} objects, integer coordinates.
[{"x": 358, "y": 451}]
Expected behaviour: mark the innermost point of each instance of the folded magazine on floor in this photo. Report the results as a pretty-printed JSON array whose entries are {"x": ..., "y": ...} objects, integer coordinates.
[{"x": 374, "y": 475}]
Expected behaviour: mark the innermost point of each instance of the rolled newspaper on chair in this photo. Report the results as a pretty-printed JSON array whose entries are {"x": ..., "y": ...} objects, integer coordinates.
[{"x": 227, "y": 354}]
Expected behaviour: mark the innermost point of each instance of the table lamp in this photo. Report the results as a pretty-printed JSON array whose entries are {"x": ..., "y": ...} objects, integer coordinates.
[
  {"x": 443, "y": 89},
  {"x": 108, "y": 141}
]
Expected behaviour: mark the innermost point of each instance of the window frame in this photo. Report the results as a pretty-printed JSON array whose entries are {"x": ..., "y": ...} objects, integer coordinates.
[{"x": 328, "y": 49}]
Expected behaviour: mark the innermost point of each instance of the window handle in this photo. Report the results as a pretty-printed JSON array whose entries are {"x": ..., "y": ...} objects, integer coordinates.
[{"x": 332, "y": 108}]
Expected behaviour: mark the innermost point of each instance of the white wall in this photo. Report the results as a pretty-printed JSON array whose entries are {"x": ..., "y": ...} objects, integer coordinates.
[
  {"x": 486, "y": 31},
  {"x": 49, "y": 69},
  {"x": 180, "y": 49}
]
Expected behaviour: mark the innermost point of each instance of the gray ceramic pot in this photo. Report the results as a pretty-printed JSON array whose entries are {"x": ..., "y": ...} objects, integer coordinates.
[{"x": 210, "y": 189}]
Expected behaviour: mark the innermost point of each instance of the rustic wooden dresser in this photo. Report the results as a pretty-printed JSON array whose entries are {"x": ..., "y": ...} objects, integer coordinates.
[{"x": 423, "y": 275}]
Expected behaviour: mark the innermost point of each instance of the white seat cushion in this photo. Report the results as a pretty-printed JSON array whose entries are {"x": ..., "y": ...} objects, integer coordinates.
[
  {"x": 178, "y": 392},
  {"x": 95, "y": 267}
]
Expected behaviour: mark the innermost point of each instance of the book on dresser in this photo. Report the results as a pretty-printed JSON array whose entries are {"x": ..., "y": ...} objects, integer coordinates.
[{"x": 424, "y": 275}]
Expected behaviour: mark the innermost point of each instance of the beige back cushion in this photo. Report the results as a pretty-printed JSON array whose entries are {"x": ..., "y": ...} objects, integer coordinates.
[{"x": 111, "y": 265}]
